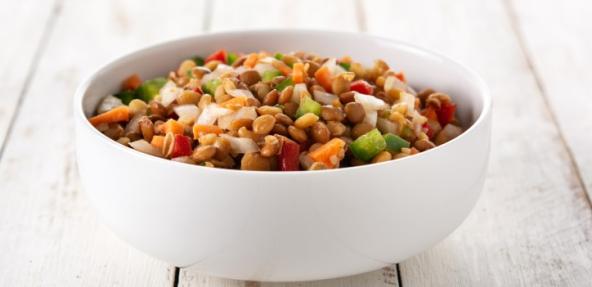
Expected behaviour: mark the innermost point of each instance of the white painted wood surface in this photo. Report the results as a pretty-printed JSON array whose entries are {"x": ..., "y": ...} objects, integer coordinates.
[
  {"x": 558, "y": 39},
  {"x": 532, "y": 227}
]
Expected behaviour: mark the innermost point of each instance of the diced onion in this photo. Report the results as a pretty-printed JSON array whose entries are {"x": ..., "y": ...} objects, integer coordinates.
[
  {"x": 240, "y": 69},
  {"x": 242, "y": 113},
  {"x": 263, "y": 67},
  {"x": 386, "y": 126},
  {"x": 187, "y": 113},
  {"x": 267, "y": 60},
  {"x": 370, "y": 103},
  {"x": 145, "y": 147},
  {"x": 108, "y": 103},
  {"x": 211, "y": 113},
  {"x": 333, "y": 67},
  {"x": 371, "y": 117},
  {"x": 299, "y": 89},
  {"x": 241, "y": 93},
  {"x": 220, "y": 69},
  {"x": 409, "y": 100},
  {"x": 324, "y": 97},
  {"x": 169, "y": 92},
  {"x": 133, "y": 125},
  {"x": 448, "y": 132},
  {"x": 393, "y": 82},
  {"x": 241, "y": 145}
]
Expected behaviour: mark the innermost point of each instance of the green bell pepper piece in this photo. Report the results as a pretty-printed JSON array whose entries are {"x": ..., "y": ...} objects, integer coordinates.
[
  {"x": 211, "y": 86},
  {"x": 278, "y": 56},
  {"x": 308, "y": 105},
  {"x": 150, "y": 88},
  {"x": 270, "y": 75},
  {"x": 284, "y": 84},
  {"x": 368, "y": 145},
  {"x": 198, "y": 60},
  {"x": 346, "y": 66},
  {"x": 126, "y": 96},
  {"x": 394, "y": 142},
  {"x": 231, "y": 57}
]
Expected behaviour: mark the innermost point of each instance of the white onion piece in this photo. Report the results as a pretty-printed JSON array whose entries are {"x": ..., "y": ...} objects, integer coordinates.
[
  {"x": 370, "y": 103},
  {"x": 267, "y": 60},
  {"x": 220, "y": 69},
  {"x": 393, "y": 82},
  {"x": 145, "y": 147},
  {"x": 241, "y": 145},
  {"x": 242, "y": 113},
  {"x": 299, "y": 90},
  {"x": 240, "y": 69},
  {"x": 108, "y": 103},
  {"x": 409, "y": 100},
  {"x": 333, "y": 67},
  {"x": 187, "y": 113},
  {"x": 386, "y": 126},
  {"x": 324, "y": 97},
  {"x": 169, "y": 92},
  {"x": 133, "y": 126},
  {"x": 183, "y": 159},
  {"x": 447, "y": 133},
  {"x": 211, "y": 113},
  {"x": 241, "y": 93},
  {"x": 371, "y": 117},
  {"x": 263, "y": 67}
]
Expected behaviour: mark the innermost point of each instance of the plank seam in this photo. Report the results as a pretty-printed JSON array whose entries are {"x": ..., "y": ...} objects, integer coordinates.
[
  {"x": 360, "y": 15},
  {"x": 514, "y": 21},
  {"x": 399, "y": 279},
  {"x": 176, "y": 276},
  {"x": 41, "y": 47}
]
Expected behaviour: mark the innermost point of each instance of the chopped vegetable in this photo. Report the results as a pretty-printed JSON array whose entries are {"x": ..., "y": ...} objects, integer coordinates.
[
  {"x": 329, "y": 153},
  {"x": 394, "y": 143},
  {"x": 211, "y": 86},
  {"x": 270, "y": 75},
  {"x": 308, "y": 105},
  {"x": 150, "y": 88},
  {"x": 126, "y": 96},
  {"x": 118, "y": 114},
  {"x": 145, "y": 147},
  {"x": 288, "y": 156},
  {"x": 241, "y": 145},
  {"x": 174, "y": 127},
  {"x": 131, "y": 83},
  {"x": 362, "y": 87},
  {"x": 231, "y": 57},
  {"x": 298, "y": 73},
  {"x": 199, "y": 61},
  {"x": 219, "y": 55},
  {"x": 368, "y": 145},
  {"x": 181, "y": 146},
  {"x": 157, "y": 141},
  {"x": 251, "y": 60},
  {"x": 283, "y": 84},
  {"x": 346, "y": 66},
  {"x": 324, "y": 77},
  {"x": 446, "y": 113},
  {"x": 205, "y": 129},
  {"x": 278, "y": 56}
]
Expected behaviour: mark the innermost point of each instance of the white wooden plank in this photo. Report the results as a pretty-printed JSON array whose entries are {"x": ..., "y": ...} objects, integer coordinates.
[
  {"x": 309, "y": 14},
  {"x": 22, "y": 26},
  {"x": 532, "y": 226},
  {"x": 558, "y": 38},
  {"x": 49, "y": 235}
]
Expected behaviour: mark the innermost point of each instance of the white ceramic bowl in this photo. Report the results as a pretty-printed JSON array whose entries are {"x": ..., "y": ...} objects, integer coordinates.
[{"x": 286, "y": 226}]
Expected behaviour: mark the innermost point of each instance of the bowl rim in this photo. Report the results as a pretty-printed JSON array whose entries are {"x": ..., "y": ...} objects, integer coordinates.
[{"x": 472, "y": 76}]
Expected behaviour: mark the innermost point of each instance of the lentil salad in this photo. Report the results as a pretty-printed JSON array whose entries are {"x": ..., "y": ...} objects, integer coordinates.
[{"x": 284, "y": 112}]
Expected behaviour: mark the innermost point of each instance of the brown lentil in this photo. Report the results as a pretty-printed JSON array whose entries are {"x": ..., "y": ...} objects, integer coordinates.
[
  {"x": 239, "y": 123},
  {"x": 146, "y": 128},
  {"x": 306, "y": 120},
  {"x": 280, "y": 129},
  {"x": 297, "y": 134},
  {"x": 286, "y": 95},
  {"x": 203, "y": 153},
  {"x": 268, "y": 110},
  {"x": 271, "y": 146},
  {"x": 271, "y": 98},
  {"x": 360, "y": 129},
  {"x": 320, "y": 133},
  {"x": 332, "y": 114},
  {"x": 262, "y": 125},
  {"x": 382, "y": 156},
  {"x": 283, "y": 119},
  {"x": 355, "y": 112},
  {"x": 346, "y": 97},
  {"x": 290, "y": 109},
  {"x": 250, "y": 77},
  {"x": 336, "y": 128},
  {"x": 255, "y": 161}
]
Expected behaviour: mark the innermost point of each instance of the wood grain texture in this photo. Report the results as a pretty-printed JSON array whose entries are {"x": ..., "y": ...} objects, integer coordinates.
[
  {"x": 558, "y": 39},
  {"x": 309, "y": 14},
  {"x": 49, "y": 235},
  {"x": 532, "y": 226},
  {"x": 22, "y": 41}
]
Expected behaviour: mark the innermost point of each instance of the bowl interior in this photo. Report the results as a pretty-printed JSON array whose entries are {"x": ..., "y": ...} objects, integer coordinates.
[{"x": 422, "y": 68}]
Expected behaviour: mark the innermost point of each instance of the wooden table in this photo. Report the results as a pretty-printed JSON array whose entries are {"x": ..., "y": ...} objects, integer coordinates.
[{"x": 531, "y": 227}]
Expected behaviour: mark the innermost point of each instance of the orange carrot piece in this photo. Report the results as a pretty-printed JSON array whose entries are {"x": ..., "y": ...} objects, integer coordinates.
[
  {"x": 119, "y": 114},
  {"x": 174, "y": 127},
  {"x": 329, "y": 152},
  {"x": 205, "y": 129},
  {"x": 131, "y": 83},
  {"x": 234, "y": 103},
  {"x": 282, "y": 67},
  {"x": 157, "y": 141},
  {"x": 298, "y": 73},
  {"x": 251, "y": 60},
  {"x": 323, "y": 76},
  {"x": 430, "y": 113}
]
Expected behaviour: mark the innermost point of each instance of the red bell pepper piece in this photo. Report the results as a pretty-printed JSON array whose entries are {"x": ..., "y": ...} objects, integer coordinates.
[
  {"x": 219, "y": 55},
  {"x": 182, "y": 146},
  {"x": 446, "y": 113},
  {"x": 362, "y": 87},
  {"x": 288, "y": 156},
  {"x": 401, "y": 76}
]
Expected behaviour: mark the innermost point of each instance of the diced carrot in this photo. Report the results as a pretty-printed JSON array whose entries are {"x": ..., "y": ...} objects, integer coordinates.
[
  {"x": 329, "y": 152},
  {"x": 174, "y": 127},
  {"x": 157, "y": 141},
  {"x": 401, "y": 76},
  {"x": 251, "y": 60},
  {"x": 430, "y": 113},
  {"x": 205, "y": 129},
  {"x": 298, "y": 73},
  {"x": 323, "y": 76},
  {"x": 119, "y": 114},
  {"x": 131, "y": 83},
  {"x": 234, "y": 103},
  {"x": 282, "y": 67}
]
